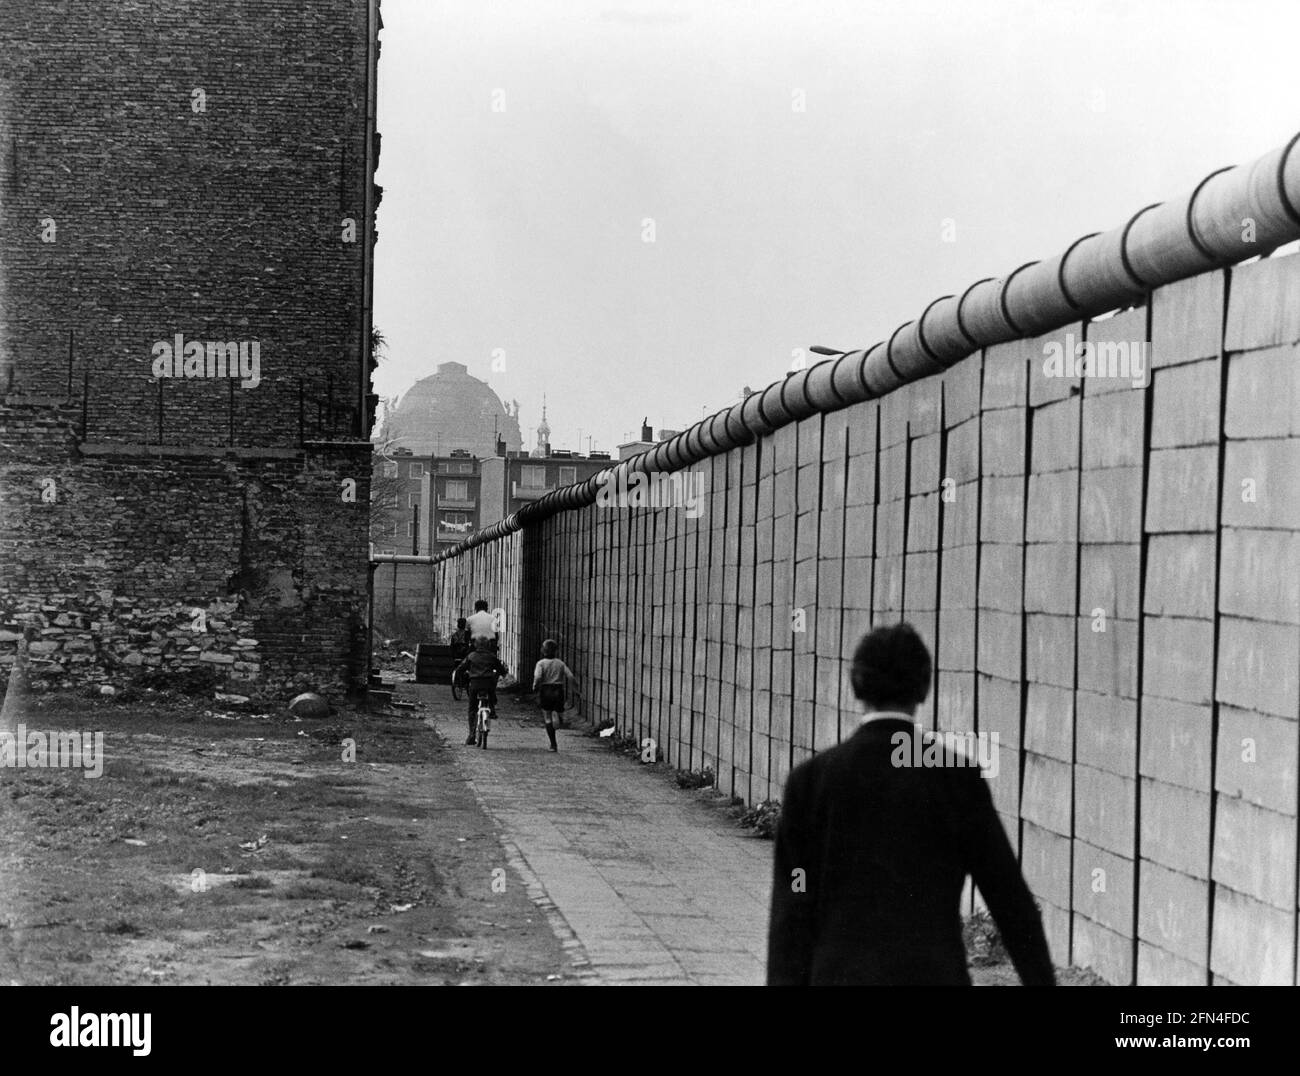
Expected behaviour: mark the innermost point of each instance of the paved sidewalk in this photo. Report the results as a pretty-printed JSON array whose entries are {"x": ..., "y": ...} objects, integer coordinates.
[{"x": 651, "y": 887}]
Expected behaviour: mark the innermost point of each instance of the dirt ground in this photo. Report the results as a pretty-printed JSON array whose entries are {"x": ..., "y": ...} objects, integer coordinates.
[{"x": 221, "y": 847}]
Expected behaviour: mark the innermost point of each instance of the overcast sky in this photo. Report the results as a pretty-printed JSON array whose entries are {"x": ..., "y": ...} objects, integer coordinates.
[{"x": 526, "y": 142}]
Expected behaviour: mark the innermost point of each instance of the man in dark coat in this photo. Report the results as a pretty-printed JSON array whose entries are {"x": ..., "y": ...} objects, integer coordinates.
[{"x": 873, "y": 848}]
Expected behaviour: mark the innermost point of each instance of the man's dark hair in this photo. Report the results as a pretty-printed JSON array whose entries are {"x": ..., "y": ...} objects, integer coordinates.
[
  {"x": 891, "y": 668},
  {"x": 461, "y": 622},
  {"x": 480, "y": 606}
]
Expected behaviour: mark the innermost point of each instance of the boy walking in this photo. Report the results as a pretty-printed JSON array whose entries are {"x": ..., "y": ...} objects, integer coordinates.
[{"x": 550, "y": 678}]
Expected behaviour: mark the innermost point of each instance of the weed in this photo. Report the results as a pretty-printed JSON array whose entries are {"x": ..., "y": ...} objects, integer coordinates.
[
  {"x": 704, "y": 778},
  {"x": 339, "y": 868},
  {"x": 983, "y": 940},
  {"x": 763, "y": 818}
]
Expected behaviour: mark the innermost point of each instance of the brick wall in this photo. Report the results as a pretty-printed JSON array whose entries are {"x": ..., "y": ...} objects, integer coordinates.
[
  {"x": 130, "y": 558},
  {"x": 186, "y": 168},
  {"x": 1108, "y": 576}
]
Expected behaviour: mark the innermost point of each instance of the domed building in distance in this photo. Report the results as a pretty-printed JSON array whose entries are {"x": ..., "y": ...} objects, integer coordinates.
[
  {"x": 426, "y": 488},
  {"x": 451, "y": 411},
  {"x": 449, "y": 461}
]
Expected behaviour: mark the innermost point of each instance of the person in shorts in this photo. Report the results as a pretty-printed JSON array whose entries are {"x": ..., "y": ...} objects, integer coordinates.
[{"x": 550, "y": 678}]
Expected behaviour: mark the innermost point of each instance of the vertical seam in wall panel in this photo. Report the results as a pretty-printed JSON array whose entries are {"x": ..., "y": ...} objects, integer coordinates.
[
  {"x": 1148, "y": 402},
  {"x": 632, "y": 615},
  {"x": 1222, "y": 453},
  {"x": 766, "y": 777},
  {"x": 907, "y": 514},
  {"x": 817, "y": 647},
  {"x": 875, "y": 515},
  {"x": 792, "y": 592},
  {"x": 660, "y": 558},
  {"x": 753, "y": 625},
  {"x": 1076, "y": 621},
  {"x": 1027, "y": 465},
  {"x": 683, "y": 642},
  {"x": 710, "y": 721},
  {"x": 739, "y": 493},
  {"x": 844, "y": 574},
  {"x": 695, "y": 642},
  {"x": 723, "y": 463},
  {"x": 938, "y": 551},
  {"x": 667, "y": 679},
  {"x": 979, "y": 523}
]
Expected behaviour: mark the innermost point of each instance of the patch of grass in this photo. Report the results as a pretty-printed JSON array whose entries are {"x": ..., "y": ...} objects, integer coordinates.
[
  {"x": 315, "y": 890},
  {"x": 342, "y": 798},
  {"x": 704, "y": 778},
  {"x": 763, "y": 818},
  {"x": 983, "y": 940},
  {"x": 340, "y": 868},
  {"x": 343, "y": 781},
  {"x": 254, "y": 881}
]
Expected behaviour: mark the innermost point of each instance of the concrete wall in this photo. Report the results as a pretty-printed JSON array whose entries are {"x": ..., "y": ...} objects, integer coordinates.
[
  {"x": 1108, "y": 576},
  {"x": 494, "y": 573}
]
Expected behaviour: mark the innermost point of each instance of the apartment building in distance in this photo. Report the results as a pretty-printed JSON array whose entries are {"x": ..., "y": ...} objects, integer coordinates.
[{"x": 432, "y": 501}]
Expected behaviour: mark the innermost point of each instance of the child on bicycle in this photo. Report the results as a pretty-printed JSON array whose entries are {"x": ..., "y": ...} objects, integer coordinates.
[
  {"x": 481, "y": 668},
  {"x": 550, "y": 678}
]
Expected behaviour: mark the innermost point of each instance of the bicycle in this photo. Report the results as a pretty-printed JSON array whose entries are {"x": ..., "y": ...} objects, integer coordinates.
[{"x": 485, "y": 716}]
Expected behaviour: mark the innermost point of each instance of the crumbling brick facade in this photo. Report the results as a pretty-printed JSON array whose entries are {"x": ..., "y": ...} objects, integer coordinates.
[{"x": 201, "y": 170}]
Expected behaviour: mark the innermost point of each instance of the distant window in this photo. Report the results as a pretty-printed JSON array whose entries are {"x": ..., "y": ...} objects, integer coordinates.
[
  {"x": 568, "y": 476},
  {"x": 533, "y": 477},
  {"x": 457, "y": 491},
  {"x": 412, "y": 500},
  {"x": 464, "y": 468},
  {"x": 410, "y": 528},
  {"x": 390, "y": 470},
  {"x": 394, "y": 528},
  {"x": 390, "y": 501},
  {"x": 417, "y": 470}
]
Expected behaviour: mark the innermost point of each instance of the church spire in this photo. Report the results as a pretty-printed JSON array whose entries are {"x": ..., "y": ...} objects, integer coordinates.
[{"x": 543, "y": 434}]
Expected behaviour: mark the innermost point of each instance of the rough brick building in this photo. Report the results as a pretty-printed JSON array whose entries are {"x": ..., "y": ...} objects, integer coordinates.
[{"x": 189, "y": 182}]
